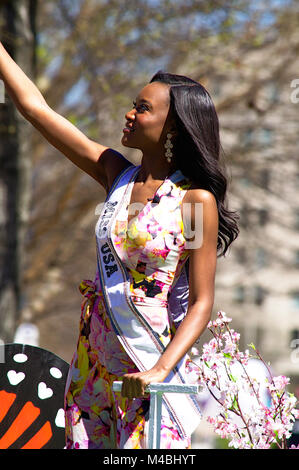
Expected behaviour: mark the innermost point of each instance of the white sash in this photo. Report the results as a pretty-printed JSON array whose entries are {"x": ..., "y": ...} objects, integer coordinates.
[{"x": 139, "y": 340}]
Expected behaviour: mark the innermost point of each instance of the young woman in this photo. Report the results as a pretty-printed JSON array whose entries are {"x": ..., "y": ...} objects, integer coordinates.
[{"x": 153, "y": 292}]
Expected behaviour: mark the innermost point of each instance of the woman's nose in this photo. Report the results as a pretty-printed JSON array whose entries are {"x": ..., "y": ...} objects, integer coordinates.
[{"x": 130, "y": 115}]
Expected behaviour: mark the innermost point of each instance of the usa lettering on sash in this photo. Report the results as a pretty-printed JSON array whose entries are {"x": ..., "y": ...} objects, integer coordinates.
[{"x": 108, "y": 258}]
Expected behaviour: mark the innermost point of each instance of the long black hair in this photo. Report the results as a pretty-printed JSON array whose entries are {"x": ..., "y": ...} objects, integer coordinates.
[{"x": 197, "y": 147}]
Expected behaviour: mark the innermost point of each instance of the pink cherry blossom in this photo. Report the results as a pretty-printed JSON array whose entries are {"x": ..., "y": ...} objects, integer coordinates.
[{"x": 253, "y": 412}]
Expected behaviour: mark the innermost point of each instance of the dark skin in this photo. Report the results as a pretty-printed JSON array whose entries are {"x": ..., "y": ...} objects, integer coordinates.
[{"x": 147, "y": 125}]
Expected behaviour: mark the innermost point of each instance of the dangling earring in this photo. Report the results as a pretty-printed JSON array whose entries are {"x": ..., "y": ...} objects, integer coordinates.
[{"x": 168, "y": 145}]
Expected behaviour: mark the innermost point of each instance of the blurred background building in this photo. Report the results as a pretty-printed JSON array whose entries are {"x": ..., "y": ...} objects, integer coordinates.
[
  {"x": 89, "y": 59},
  {"x": 258, "y": 282},
  {"x": 257, "y": 285}
]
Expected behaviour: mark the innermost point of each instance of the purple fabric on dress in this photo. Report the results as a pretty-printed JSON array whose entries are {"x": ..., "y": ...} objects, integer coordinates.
[{"x": 178, "y": 297}]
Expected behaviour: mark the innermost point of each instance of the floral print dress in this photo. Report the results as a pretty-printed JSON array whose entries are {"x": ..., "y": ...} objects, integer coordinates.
[{"x": 152, "y": 248}]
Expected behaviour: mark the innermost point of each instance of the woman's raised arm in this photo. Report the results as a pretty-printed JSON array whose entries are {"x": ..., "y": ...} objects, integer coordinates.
[{"x": 100, "y": 162}]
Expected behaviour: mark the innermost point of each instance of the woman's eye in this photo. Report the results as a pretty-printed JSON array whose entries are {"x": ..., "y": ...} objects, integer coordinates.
[{"x": 140, "y": 107}]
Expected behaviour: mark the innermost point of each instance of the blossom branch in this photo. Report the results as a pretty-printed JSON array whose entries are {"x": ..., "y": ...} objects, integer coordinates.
[{"x": 264, "y": 424}]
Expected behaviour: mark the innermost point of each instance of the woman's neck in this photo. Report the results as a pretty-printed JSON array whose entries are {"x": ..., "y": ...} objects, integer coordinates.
[{"x": 152, "y": 170}]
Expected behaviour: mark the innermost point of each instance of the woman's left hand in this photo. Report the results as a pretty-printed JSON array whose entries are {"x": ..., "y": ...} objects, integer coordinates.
[{"x": 134, "y": 385}]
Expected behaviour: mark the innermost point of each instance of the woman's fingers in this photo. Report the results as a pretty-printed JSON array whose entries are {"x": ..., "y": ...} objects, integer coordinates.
[{"x": 133, "y": 386}]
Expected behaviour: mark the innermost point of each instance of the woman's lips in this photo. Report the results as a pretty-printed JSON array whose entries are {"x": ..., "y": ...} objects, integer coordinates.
[{"x": 128, "y": 129}]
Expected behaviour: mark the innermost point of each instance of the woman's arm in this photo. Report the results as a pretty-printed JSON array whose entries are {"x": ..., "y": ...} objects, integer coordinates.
[
  {"x": 20, "y": 88},
  {"x": 202, "y": 269},
  {"x": 100, "y": 162}
]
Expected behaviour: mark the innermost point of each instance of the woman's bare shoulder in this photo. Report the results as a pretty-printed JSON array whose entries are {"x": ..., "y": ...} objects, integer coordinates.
[{"x": 195, "y": 194}]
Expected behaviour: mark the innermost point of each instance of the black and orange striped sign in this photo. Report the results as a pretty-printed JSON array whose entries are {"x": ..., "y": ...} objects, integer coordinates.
[{"x": 32, "y": 384}]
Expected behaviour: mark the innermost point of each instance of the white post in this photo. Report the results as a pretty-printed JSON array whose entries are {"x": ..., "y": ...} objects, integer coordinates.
[
  {"x": 156, "y": 391},
  {"x": 152, "y": 419}
]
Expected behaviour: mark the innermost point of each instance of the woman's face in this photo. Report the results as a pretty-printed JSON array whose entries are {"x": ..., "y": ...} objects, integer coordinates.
[{"x": 148, "y": 121}]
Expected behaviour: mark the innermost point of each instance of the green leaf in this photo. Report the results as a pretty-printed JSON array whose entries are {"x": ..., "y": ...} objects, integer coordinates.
[
  {"x": 235, "y": 404},
  {"x": 227, "y": 355}
]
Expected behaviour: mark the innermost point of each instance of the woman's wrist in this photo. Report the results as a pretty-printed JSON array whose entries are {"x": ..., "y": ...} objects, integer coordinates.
[{"x": 161, "y": 370}]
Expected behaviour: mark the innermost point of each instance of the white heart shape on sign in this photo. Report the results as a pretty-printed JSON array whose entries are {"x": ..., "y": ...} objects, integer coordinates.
[
  {"x": 43, "y": 391},
  {"x": 60, "y": 419},
  {"x": 15, "y": 377}
]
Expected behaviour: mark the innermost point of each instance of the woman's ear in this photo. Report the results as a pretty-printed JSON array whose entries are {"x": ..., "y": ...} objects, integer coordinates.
[
  {"x": 170, "y": 125},
  {"x": 172, "y": 129}
]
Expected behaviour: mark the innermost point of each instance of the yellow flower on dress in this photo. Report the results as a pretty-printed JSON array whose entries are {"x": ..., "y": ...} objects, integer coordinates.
[{"x": 82, "y": 368}]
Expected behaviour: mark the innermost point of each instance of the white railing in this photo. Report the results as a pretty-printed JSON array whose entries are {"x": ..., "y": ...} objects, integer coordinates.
[{"x": 156, "y": 391}]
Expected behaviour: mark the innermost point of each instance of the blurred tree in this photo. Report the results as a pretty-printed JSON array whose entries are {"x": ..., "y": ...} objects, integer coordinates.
[
  {"x": 93, "y": 57},
  {"x": 17, "y": 32}
]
